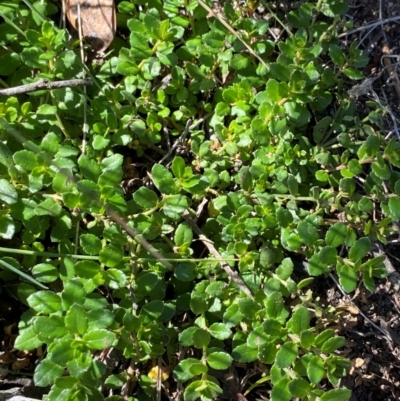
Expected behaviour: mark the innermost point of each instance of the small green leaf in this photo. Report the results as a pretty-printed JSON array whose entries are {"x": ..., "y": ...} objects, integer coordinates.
[
  {"x": 328, "y": 255},
  {"x": 178, "y": 167},
  {"x": 307, "y": 338},
  {"x": 99, "y": 339},
  {"x": 50, "y": 327},
  {"x": 152, "y": 311},
  {"x": 293, "y": 185},
  {"x": 239, "y": 61},
  {"x": 220, "y": 331},
  {"x": 47, "y": 372},
  {"x": 146, "y": 282},
  {"x": 76, "y": 320},
  {"x": 9, "y": 62},
  {"x": 115, "y": 278},
  {"x": 199, "y": 304},
  {"x": 337, "y": 55},
  {"x": 321, "y": 129},
  {"x": 111, "y": 255},
  {"x": 267, "y": 352},
  {"x": 232, "y": 316},
  {"x": 175, "y": 205},
  {"x": 285, "y": 270},
  {"x": 219, "y": 360},
  {"x": 360, "y": 249},
  {"x": 45, "y": 302},
  {"x": 286, "y": 355},
  {"x": 290, "y": 240},
  {"x": 274, "y": 305},
  {"x": 145, "y": 198},
  {"x": 323, "y": 336},
  {"x": 31, "y": 57},
  {"x": 248, "y": 308},
  {"x": 90, "y": 243},
  {"x": 87, "y": 269},
  {"x": 267, "y": 258},
  {"x": 333, "y": 344},
  {"x": 63, "y": 181},
  {"x": 45, "y": 272},
  {"x": 394, "y": 207},
  {"x": 73, "y": 293},
  {"x": 8, "y": 194},
  {"x": 299, "y": 387},
  {"x": 186, "y": 336},
  {"x": 26, "y": 159},
  {"x": 347, "y": 278},
  {"x": 48, "y": 207},
  {"x": 299, "y": 321},
  {"x": 297, "y": 112},
  {"x": 283, "y": 217},
  {"x": 183, "y": 235},
  {"x": 7, "y": 226},
  {"x": 163, "y": 180},
  {"x": 272, "y": 91},
  {"x": 27, "y": 340},
  {"x": 336, "y": 235},
  {"x": 353, "y": 73},
  {"x": 89, "y": 168},
  {"x": 315, "y": 369},
  {"x": 280, "y": 71},
  {"x": 337, "y": 394},
  {"x": 243, "y": 353},
  {"x": 195, "y": 72},
  {"x": 100, "y": 318},
  {"x": 280, "y": 391},
  {"x": 62, "y": 352},
  {"x": 201, "y": 338},
  {"x": 381, "y": 169},
  {"x": 189, "y": 368},
  {"x": 308, "y": 232},
  {"x": 116, "y": 381},
  {"x": 315, "y": 266},
  {"x": 185, "y": 271}
]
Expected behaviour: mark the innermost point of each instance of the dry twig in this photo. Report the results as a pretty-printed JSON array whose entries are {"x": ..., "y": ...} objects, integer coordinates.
[
  {"x": 44, "y": 84},
  {"x": 368, "y": 26},
  {"x": 391, "y": 68},
  {"x": 210, "y": 246},
  {"x": 348, "y": 299}
]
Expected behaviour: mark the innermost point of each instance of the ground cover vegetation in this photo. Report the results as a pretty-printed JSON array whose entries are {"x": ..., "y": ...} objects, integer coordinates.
[{"x": 187, "y": 260}]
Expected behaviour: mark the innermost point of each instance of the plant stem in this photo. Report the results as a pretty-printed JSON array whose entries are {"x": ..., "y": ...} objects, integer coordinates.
[{"x": 47, "y": 254}]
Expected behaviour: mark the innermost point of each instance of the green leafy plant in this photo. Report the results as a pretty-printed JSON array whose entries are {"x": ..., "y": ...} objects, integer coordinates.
[{"x": 291, "y": 192}]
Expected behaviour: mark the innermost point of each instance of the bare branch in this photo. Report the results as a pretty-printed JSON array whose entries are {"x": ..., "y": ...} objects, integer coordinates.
[{"x": 44, "y": 84}]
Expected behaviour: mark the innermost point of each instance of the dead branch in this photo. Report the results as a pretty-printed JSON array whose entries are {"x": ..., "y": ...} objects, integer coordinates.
[
  {"x": 391, "y": 68},
  {"x": 385, "y": 333},
  {"x": 210, "y": 246},
  {"x": 44, "y": 84}
]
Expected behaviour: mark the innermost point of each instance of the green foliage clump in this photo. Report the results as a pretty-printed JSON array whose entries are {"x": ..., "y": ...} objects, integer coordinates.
[{"x": 292, "y": 176}]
